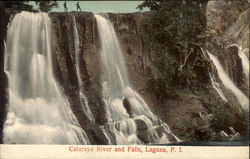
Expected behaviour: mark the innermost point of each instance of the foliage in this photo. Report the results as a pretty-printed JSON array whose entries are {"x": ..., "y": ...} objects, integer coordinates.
[
  {"x": 44, "y": 6},
  {"x": 175, "y": 30},
  {"x": 229, "y": 115},
  {"x": 198, "y": 130},
  {"x": 161, "y": 91},
  {"x": 225, "y": 115},
  {"x": 16, "y": 5},
  {"x": 222, "y": 10}
]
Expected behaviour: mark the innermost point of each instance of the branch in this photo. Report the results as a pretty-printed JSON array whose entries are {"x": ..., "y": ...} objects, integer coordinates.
[{"x": 185, "y": 60}]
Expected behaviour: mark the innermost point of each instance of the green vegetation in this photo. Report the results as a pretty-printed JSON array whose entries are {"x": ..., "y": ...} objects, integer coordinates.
[
  {"x": 44, "y": 6},
  {"x": 175, "y": 31},
  {"x": 229, "y": 115},
  {"x": 16, "y": 6},
  {"x": 225, "y": 115}
]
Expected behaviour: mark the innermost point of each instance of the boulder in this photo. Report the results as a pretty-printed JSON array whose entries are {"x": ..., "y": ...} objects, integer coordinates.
[
  {"x": 126, "y": 104},
  {"x": 141, "y": 125}
]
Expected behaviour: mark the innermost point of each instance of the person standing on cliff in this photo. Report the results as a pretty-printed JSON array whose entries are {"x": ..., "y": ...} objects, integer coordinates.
[
  {"x": 65, "y": 7},
  {"x": 78, "y": 6}
]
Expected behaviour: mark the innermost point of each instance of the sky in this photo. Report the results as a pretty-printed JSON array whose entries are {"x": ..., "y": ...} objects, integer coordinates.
[{"x": 99, "y": 6}]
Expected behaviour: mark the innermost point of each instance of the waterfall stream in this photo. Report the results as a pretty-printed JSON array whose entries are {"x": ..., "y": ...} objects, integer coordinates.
[
  {"x": 243, "y": 99},
  {"x": 245, "y": 64},
  {"x": 214, "y": 83},
  {"x": 38, "y": 111},
  {"x": 130, "y": 118},
  {"x": 216, "y": 86},
  {"x": 83, "y": 98}
]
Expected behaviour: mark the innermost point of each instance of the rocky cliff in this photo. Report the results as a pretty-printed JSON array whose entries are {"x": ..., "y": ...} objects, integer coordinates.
[
  {"x": 3, "y": 77},
  {"x": 176, "y": 110}
]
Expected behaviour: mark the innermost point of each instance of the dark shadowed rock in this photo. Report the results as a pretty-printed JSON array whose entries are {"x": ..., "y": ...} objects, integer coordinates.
[
  {"x": 233, "y": 50},
  {"x": 5, "y": 16},
  {"x": 171, "y": 138},
  {"x": 127, "y": 106},
  {"x": 160, "y": 130},
  {"x": 143, "y": 136},
  {"x": 141, "y": 125}
]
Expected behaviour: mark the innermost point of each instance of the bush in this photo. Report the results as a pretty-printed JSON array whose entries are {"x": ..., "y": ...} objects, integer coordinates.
[{"x": 229, "y": 115}]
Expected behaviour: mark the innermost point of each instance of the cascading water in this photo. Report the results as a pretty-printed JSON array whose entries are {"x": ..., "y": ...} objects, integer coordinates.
[
  {"x": 243, "y": 100},
  {"x": 214, "y": 83},
  {"x": 38, "y": 112},
  {"x": 83, "y": 98},
  {"x": 124, "y": 107},
  {"x": 216, "y": 86},
  {"x": 245, "y": 63}
]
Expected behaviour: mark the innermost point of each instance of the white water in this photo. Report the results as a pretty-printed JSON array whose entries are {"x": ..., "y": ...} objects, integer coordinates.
[
  {"x": 38, "y": 112},
  {"x": 243, "y": 100},
  {"x": 116, "y": 88},
  {"x": 216, "y": 86},
  {"x": 245, "y": 63},
  {"x": 83, "y": 98}
]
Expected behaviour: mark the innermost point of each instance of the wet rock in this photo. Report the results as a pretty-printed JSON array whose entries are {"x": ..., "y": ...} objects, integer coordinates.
[
  {"x": 4, "y": 20},
  {"x": 141, "y": 125},
  {"x": 126, "y": 104},
  {"x": 97, "y": 136},
  {"x": 171, "y": 138},
  {"x": 161, "y": 130},
  {"x": 143, "y": 136},
  {"x": 224, "y": 134},
  {"x": 3, "y": 101},
  {"x": 111, "y": 135},
  {"x": 236, "y": 136}
]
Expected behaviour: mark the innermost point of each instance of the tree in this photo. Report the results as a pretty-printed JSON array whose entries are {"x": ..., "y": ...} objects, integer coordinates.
[
  {"x": 16, "y": 6},
  {"x": 175, "y": 31},
  {"x": 46, "y": 6}
]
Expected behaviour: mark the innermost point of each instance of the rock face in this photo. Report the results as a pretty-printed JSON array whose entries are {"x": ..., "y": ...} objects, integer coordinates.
[
  {"x": 63, "y": 45},
  {"x": 232, "y": 64},
  {"x": 184, "y": 106},
  {"x": 137, "y": 58},
  {"x": 140, "y": 65},
  {"x": 3, "y": 77}
]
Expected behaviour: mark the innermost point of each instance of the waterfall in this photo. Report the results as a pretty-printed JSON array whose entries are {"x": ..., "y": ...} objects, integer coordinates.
[
  {"x": 38, "y": 112},
  {"x": 83, "y": 98},
  {"x": 245, "y": 64},
  {"x": 124, "y": 107},
  {"x": 216, "y": 86},
  {"x": 214, "y": 83},
  {"x": 243, "y": 100}
]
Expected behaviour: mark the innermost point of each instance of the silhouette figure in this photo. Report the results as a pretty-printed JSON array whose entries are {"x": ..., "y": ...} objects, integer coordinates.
[
  {"x": 65, "y": 7},
  {"x": 78, "y": 6}
]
